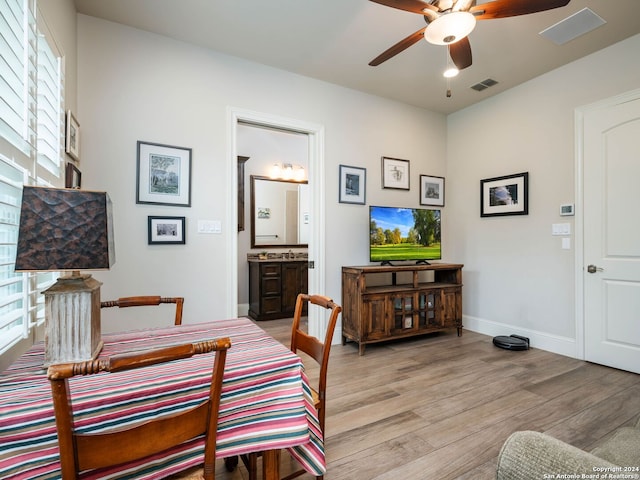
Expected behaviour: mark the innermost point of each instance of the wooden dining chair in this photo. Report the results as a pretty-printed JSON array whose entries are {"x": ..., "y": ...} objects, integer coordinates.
[
  {"x": 88, "y": 451},
  {"x": 144, "y": 301},
  {"x": 318, "y": 351}
]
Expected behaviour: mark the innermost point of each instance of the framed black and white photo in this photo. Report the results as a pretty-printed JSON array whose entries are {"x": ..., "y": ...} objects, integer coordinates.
[
  {"x": 395, "y": 173},
  {"x": 507, "y": 195},
  {"x": 72, "y": 176},
  {"x": 72, "y": 136},
  {"x": 431, "y": 190},
  {"x": 166, "y": 230},
  {"x": 163, "y": 175},
  {"x": 353, "y": 185}
]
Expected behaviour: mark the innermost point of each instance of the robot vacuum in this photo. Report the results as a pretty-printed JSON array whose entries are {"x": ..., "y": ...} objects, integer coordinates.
[{"x": 512, "y": 342}]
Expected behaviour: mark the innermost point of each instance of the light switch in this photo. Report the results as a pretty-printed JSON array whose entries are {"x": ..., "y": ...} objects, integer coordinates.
[
  {"x": 561, "y": 229},
  {"x": 209, "y": 226},
  {"x": 566, "y": 243}
]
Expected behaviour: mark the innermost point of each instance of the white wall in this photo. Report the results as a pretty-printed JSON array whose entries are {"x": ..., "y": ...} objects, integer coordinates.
[
  {"x": 517, "y": 278},
  {"x": 133, "y": 85}
]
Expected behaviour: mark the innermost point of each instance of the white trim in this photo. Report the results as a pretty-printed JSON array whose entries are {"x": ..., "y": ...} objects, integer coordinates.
[
  {"x": 566, "y": 346},
  {"x": 316, "y": 183}
]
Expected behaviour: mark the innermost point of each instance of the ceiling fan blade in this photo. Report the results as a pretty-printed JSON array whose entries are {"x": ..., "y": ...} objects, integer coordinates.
[
  {"x": 461, "y": 53},
  {"x": 414, "y": 6},
  {"x": 398, "y": 47},
  {"x": 513, "y": 8}
]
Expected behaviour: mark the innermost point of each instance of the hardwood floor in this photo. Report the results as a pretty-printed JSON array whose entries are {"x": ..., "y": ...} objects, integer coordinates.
[{"x": 441, "y": 406}]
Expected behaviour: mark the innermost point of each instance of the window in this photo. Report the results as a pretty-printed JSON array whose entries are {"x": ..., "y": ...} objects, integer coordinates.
[{"x": 31, "y": 135}]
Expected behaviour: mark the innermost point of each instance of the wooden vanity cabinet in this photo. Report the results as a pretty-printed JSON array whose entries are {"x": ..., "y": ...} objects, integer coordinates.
[
  {"x": 385, "y": 302},
  {"x": 274, "y": 286}
]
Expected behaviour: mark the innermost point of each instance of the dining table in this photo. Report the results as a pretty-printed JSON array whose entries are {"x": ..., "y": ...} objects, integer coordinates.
[{"x": 265, "y": 405}]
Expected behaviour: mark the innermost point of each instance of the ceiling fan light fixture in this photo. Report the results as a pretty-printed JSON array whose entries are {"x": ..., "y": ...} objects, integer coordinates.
[
  {"x": 449, "y": 28},
  {"x": 451, "y": 72}
]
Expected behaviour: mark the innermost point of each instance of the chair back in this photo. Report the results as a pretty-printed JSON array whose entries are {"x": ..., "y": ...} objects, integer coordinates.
[
  {"x": 313, "y": 347},
  {"x": 144, "y": 301},
  {"x": 88, "y": 451}
]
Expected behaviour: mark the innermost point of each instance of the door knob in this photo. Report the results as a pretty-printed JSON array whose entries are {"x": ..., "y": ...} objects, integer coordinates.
[{"x": 594, "y": 269}]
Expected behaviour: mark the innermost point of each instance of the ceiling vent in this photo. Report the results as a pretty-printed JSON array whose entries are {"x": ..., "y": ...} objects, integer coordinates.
[
  {"x": 489, "y": 82},
  {"x": 573, "y": 26}
]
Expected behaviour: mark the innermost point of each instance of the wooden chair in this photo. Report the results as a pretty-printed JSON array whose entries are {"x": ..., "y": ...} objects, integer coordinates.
[
  {"x": 79, "y": 452},
  {"x": 319, "y": 351},
  {"x": 144, "y": 301}
]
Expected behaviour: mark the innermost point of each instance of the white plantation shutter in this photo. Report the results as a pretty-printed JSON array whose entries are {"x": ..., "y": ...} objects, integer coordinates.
[{"x": 31, "y": 147}]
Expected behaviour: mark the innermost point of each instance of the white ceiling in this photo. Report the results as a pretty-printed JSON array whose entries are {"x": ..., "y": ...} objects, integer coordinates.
[{"x": 334, "y": 40}]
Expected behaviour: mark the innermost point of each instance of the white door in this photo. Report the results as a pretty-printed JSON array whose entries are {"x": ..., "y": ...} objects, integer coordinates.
[{"x": 611, "y": 253}]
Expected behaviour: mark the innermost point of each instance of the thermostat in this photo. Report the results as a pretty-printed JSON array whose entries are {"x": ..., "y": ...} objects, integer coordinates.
[{"x": 566, "y": 210}]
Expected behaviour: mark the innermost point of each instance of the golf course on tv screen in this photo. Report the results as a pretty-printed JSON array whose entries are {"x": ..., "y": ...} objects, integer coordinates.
[{"x": 404, "y": 234}]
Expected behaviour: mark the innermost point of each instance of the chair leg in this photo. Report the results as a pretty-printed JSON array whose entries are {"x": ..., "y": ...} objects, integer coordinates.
[{"x": 250, "y": 461}]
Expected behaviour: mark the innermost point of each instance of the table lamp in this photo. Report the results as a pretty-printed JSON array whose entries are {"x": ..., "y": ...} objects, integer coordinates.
[{"x": 67, "y": 230}]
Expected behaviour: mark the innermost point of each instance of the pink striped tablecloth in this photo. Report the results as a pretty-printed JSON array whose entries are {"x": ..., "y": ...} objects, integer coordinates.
[{"x": 266, "y": 402}]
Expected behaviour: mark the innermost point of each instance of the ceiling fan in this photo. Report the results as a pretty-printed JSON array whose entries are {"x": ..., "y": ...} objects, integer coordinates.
[{"x": 450, "y": 21}]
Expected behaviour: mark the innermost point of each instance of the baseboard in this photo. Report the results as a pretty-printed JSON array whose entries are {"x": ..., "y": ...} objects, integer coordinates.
[
  {"x": 544, "y": 341},
  {"x": 243, "y": 310}
]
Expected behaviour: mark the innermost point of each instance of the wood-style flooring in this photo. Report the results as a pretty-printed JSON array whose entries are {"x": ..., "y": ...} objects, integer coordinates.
[{"x": 441, "y": 406}]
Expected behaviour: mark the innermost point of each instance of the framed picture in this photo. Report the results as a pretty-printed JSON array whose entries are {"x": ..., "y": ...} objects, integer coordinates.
[
  {"x": 353, "y": 185},
  {"x": 163, "y": 175},
  {"x": 431, "y": 190},
  {"x": 72, "y": 136},
  {"x": 506, "y": 195},
  {"x": 395, "y": 173},
  {"x": 166, "y": 230},
  {"x": 72, "y": 176}
]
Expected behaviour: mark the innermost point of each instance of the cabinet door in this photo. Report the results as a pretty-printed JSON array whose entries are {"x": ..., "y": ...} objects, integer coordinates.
[
  {"x": 403, "y": 313},
  {"x": 374, "y": 317},
  {"x": 294, "y": 281},
  {"x": 450, "y": 299},
  {"x": 427, "y": 316}
]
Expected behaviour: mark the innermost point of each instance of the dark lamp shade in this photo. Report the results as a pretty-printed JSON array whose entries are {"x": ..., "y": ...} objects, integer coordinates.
[{"x": 64, "y": 229}]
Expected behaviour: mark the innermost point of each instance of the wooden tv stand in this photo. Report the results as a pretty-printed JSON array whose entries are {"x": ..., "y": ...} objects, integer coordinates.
[{"x": 387, "y": 302}]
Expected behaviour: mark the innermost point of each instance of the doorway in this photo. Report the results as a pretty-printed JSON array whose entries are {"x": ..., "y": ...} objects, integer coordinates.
[
  {"x": 315, "y": 134},
  {"x": 609, "y": 261}
]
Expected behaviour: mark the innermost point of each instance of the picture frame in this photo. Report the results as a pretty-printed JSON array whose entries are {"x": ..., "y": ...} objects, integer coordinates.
[
  {"x": 506, "y": 195},
  {"x": 166, "y": 230},
  {"x": 395, "y": 173},
  {"x": 72, "y": 176},
  {"x": 352, "y": 185},
  {"x": 163, "y": 175},
  {"x": 431, "y": 190},
  {"x": 72, "y": 136}
]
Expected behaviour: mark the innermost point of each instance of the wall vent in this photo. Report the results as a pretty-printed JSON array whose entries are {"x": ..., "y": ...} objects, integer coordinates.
[{"x": 489, "y": 82}]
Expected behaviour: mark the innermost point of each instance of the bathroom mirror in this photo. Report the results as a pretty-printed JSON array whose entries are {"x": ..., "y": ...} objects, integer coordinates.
[{"x": 279, "y": 213}]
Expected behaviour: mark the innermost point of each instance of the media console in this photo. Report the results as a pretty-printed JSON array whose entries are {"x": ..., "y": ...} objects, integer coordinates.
[{"x": 381, "y": 303}]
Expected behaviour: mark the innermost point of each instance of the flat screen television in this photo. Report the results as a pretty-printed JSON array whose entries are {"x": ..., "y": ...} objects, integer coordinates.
[{"x": 401, "y": 234}]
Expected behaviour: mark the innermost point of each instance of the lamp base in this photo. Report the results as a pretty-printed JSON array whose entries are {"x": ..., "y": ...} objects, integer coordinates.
[{"x": 72, "y": 320}]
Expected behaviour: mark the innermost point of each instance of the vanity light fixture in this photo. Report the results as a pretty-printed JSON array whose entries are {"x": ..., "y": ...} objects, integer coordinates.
[{"x": 287, "y": 171}]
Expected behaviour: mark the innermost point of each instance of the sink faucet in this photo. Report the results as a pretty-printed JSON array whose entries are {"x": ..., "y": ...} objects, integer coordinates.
[{"x": 291, "y": 254}]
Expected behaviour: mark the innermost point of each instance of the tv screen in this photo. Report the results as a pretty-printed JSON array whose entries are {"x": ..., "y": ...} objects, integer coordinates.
[{"x": 397, "y": 234}]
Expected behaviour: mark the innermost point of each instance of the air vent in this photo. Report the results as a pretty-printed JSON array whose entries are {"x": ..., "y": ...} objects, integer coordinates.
[
  {"x": 573, "y": 26},
  {"x": 489, "y": 82}
]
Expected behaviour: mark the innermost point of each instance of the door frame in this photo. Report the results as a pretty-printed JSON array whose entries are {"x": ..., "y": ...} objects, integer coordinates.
[
  {"x": 580, "y": 261},
  {"x": 316, "y": 249}
]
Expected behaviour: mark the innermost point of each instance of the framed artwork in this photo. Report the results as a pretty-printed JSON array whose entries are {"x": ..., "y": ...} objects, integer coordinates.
[
  {"x": 431, "y": 190},
  {"x": 72, "y": 136},
  {"x": 353, "y": 185},
  {"x": 166, "y": 230},
  {"x": 72, "y": 176},
  {"x": 395, "y": 173},
  {"x": 506, "y": 195},
  {"x": 163, "y": 175}
]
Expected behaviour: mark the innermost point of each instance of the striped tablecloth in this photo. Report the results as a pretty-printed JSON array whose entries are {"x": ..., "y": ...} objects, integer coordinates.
[{"x": 266, "y": 402}]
